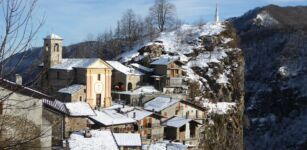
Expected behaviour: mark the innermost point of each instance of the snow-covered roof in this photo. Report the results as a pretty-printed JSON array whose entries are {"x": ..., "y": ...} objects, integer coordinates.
[
  {"x": 176, "y": 122},
  {"x": 128, "y": 139},
  {"x": 122, "y": 108},
  {"x": 55, "y": 104},
  {"x": 102, "y": 140},
  {"x": 140, "y": 90},
  {"x": 164, "y": 60},
  {"x": 53, "y": 36},
  {"x": 141, "y": 68},
  {"x": 139, "y": 114},
  {"x": 124, "y": 69},
  {"x": 220, "y": 107},
  {"x": 160, "y": 103},
  {"x": 79, "y": 109},
  {"x": 72, "y": 89},
  {"x": 165, "y": 145},
  {"x": 111, "y": 117},
  {"x": 70, "y": 63}
]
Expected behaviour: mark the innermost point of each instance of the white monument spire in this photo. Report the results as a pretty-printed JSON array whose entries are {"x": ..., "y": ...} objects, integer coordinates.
[{"x": 217, "y": 17}]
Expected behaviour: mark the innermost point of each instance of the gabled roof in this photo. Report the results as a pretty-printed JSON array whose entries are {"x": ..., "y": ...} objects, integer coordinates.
[
  {"x": 56, "y": 105},
  {"x": 111, "y": 117},
  {"x": 124, "y": 69},
  {"x": 160, "y": 103},
  {"x": 100, "y": 140},
  {"x": 164, "y": 60},
  {"x": 176, "y": 122},
  {"x": 70, "y": 63},
  {"x": 12, "y": 86},
  {"x": 193, "y": 105},
  {"x": 78, "y": 109},
  {"x": 72, "y": 89},
  {"x": 142, "y": 68},
  {"x": 138, "y": 91},
  {"x": 127, "y": 139},
  {"x": 139, "y": 114}
]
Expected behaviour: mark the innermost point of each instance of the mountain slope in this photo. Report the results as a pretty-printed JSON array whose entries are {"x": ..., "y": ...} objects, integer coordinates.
[
  {"x": 212, "y": 59},
  {"x": 274, "y": 41}
]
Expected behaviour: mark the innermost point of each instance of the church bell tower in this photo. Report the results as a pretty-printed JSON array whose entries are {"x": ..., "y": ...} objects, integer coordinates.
[{"x": 52, "y": 50}]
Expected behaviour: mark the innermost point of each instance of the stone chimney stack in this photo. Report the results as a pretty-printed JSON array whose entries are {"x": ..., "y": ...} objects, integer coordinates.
[{"x": 18, "y": 79}]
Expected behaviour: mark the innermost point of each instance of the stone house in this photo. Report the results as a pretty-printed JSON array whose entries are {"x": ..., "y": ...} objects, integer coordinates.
[
  {"x": 75, "y": 115},
  {"x": 125, "y": 78},
  {"x": 165, "y": 106},
  {"x": 190, "y": 110},
  {"x": 114, "y": 120},
  {"x": 148, "y": 125},
  {"x": 26, "y": 103},
  {"x": 58, "y": 73},
  {"x": 136, "y": 97},
  {"x": 168, "y": 75},
  {"x": 182, "y": 130},
  {"x": 73, "y": 93}
]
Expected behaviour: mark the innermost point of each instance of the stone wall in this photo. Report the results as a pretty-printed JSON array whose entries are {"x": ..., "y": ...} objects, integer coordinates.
[
  {"x": 74, "y": 124},
  {"x": 57, "y": 122}
]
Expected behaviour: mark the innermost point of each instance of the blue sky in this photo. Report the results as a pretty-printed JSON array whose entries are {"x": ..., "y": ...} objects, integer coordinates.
[{"x": 75, "y": 20}]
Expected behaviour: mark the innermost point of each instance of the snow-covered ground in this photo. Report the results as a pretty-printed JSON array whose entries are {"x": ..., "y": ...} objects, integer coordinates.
[
  {"x": 219, "y": 108},
  {"x": 178, "y": 41}
]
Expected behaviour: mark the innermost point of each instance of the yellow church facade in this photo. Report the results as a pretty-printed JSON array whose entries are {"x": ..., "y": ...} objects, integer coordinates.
[{"x": 75, "y": 79}]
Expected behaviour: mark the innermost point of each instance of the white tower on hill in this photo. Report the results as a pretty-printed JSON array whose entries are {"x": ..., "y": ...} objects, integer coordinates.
[{"x": 217, "y": 17}]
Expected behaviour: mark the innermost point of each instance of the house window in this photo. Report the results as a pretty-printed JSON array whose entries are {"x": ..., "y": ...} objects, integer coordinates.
[
  {"x": 1, "y": 108},
  {"x": 99, "y": 76},
  {"x": 196, "y": 113},
  {"x": 187, "y": 114},
  {"x": 80, "y": 98},
  {"x": 58, "y": 75},
  {"x": 98, "y": 100},
  {"x": 129, "y": 86},
  {"x": 84, "y": 90}
]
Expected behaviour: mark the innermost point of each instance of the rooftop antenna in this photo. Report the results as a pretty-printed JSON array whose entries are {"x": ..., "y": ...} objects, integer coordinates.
[{"x": 217, "y": 17}]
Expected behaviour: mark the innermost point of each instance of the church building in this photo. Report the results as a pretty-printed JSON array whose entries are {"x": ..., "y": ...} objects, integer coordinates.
[{"x": 75, "y": 79}]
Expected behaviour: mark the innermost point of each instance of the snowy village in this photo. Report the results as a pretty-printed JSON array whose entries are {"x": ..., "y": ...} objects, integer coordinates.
[{"x": 157, "y": 79}]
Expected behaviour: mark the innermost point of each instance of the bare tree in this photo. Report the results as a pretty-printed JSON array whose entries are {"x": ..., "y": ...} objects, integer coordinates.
[
  {"x": 163, "y": 14},
  {"x": 17, "y": 31},
  {"x": 129, "y": 26}
]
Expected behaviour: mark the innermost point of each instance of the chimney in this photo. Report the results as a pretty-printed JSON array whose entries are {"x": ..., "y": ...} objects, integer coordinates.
[
  {"x": 18, "y": 79},
  {"x": 87, "y": 133},
  {"x": 134, "y": 114}
]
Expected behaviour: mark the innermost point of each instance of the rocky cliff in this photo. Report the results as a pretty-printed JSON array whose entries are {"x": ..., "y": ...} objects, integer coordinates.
[
  {"x": 214, "y": 67},
  {"x": 274, "y": 43}
]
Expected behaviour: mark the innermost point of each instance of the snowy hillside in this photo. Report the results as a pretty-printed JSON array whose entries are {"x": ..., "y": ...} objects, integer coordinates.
[{"x": 211, "y": 58}]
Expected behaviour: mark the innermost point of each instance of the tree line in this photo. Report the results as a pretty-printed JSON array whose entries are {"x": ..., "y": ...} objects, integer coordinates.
[{"x": 133, "y": 29}]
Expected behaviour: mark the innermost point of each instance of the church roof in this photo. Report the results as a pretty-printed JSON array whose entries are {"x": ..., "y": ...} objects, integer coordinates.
[
  {"x": 70, "y": 63},
  {"x": 72, "y": 89},
  {"x": 124, "y": 69},
  {"x": 53, "y": 36}
]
